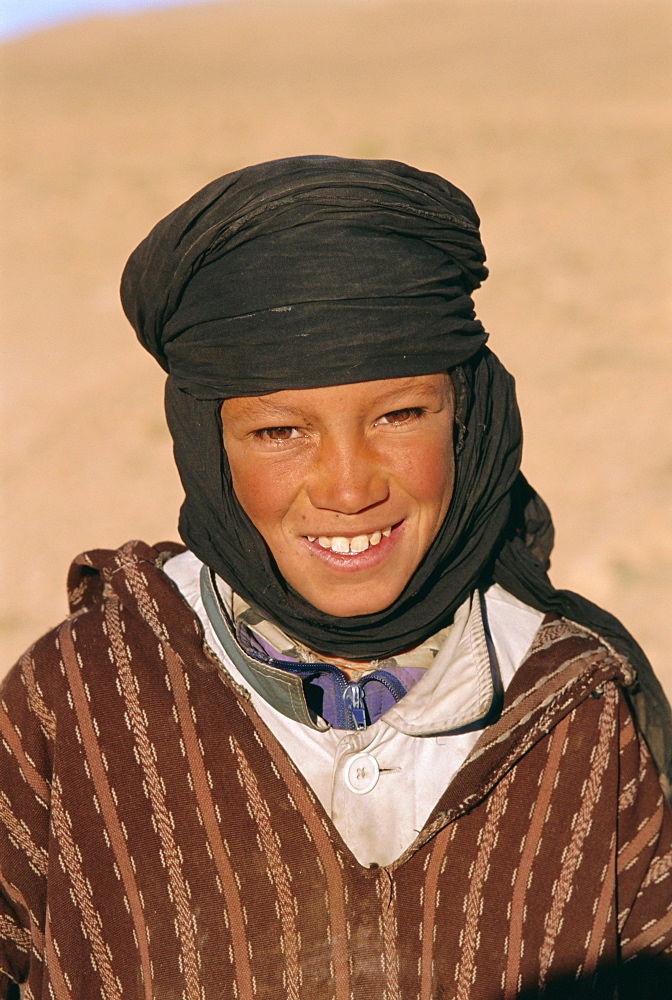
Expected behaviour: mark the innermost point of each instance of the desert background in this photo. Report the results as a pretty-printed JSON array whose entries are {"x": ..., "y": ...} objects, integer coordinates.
[{"x": 553, "y": 115}]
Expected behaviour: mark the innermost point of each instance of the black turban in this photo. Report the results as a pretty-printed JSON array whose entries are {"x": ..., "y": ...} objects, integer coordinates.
[{"x": 316, "y": 271}]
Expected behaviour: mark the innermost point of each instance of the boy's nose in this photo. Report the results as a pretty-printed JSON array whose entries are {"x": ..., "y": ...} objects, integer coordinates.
[{"x": 347, "y": 478}]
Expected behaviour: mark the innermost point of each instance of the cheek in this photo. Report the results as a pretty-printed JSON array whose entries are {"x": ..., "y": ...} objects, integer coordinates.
[
  {"x": 264, "y": 494},
  {"x": 429, "y": 475}
]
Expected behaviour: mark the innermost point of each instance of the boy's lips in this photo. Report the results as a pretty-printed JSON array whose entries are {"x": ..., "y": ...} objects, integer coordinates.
[{"x": 369, "y": 549}]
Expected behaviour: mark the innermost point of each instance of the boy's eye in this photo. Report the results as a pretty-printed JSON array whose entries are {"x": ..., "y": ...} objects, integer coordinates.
[
  {"x": 401, "y": 416},
  {"x": 276, "y": 433}
]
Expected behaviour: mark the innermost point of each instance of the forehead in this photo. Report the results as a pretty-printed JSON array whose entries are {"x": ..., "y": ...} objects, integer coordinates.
[{"x": 337, "y": 400}]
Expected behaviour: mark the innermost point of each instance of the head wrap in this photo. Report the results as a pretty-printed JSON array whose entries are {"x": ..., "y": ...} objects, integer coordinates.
[{"x": 317, "y": 271}]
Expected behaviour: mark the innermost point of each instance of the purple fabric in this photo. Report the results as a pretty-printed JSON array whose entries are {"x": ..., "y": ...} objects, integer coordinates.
[{"x": 326, "y": 687}]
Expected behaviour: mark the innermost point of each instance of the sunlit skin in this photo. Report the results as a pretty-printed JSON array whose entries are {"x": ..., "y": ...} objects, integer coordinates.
[{"x": 345, "y": 461}]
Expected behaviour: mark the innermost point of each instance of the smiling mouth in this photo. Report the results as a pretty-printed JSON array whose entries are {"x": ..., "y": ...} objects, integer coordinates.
[{"x": 343, "y": 546}]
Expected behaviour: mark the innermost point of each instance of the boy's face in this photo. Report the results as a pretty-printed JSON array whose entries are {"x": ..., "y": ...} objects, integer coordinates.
[{"x": 347, "y": 485}]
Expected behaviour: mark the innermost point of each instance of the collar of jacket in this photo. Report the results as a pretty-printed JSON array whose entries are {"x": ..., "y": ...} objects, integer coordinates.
[{"x": 460, "y": 690}]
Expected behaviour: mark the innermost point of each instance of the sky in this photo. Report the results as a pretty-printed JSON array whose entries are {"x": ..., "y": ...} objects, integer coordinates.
[{"x": 18, "y": 17}]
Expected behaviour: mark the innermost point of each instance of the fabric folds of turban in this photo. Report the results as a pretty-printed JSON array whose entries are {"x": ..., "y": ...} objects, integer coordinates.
[{"x": 317, "y": 271}]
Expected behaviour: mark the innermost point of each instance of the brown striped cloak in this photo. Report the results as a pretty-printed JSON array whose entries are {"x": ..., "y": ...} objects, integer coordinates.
[{"x": 156, "y": 842}]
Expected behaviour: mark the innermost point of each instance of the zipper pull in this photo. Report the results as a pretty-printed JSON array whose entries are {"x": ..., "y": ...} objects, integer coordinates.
[{"x": 353, "y": 699}]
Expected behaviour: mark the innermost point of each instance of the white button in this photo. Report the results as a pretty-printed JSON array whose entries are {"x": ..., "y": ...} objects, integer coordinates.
[{"x": 361, "y": 774}]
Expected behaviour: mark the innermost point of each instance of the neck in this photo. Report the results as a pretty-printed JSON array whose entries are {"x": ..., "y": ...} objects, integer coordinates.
[{"x": 353, "y": 669}]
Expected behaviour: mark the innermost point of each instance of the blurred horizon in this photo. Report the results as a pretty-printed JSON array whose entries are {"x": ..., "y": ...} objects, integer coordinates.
[{"x": 21, "y": 17}]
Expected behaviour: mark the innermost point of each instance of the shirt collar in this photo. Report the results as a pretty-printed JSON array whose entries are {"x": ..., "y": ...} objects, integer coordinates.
[
  {"x": 268, "y": 636},
  {"x": 460, "y": 690}
]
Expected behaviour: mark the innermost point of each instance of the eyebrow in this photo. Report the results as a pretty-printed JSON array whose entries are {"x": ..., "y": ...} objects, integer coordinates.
[
  {"x": 422, "y": 388},
  {"x": 254, "y": 404}
]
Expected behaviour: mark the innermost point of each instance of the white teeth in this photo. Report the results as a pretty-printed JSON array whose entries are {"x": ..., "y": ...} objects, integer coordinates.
[
  {"x": 353, "y": 546},
  {"x": 359, "y": 543}
]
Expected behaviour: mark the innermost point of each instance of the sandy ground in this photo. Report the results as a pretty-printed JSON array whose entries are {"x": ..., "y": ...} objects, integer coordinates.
[{"x": 552, "y": 114}]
